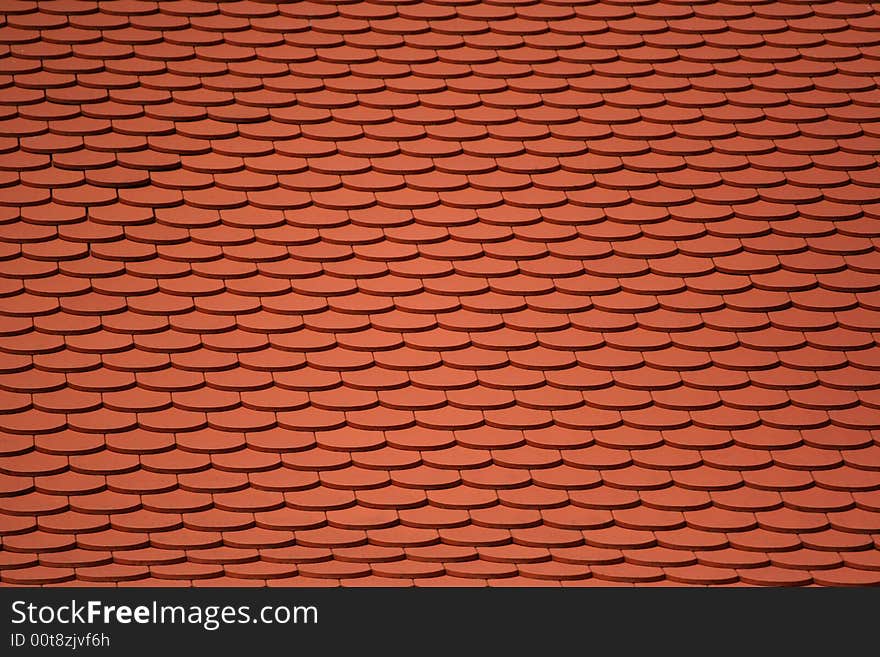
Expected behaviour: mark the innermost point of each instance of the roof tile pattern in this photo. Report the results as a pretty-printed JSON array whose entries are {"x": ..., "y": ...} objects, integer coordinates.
[{"x": 434, "y": 293}]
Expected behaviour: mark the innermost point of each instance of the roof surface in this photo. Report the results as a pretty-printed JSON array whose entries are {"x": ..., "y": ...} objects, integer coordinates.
[{"x": 505, "y": 293}]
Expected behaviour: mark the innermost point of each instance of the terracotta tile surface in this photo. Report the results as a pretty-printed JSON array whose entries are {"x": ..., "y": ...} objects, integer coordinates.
[{"x": 497, "y": 293}]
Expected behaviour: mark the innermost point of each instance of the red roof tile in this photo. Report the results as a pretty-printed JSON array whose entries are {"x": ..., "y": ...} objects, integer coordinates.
[{"x": 439, "y": 294}]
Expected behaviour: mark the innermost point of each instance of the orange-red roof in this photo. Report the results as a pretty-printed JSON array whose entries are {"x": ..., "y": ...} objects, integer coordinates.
[{"x": 435, "y": 293}]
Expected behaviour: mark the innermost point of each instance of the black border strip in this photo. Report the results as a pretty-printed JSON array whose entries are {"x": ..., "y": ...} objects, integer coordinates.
[{"x": 613, "y": 621}]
